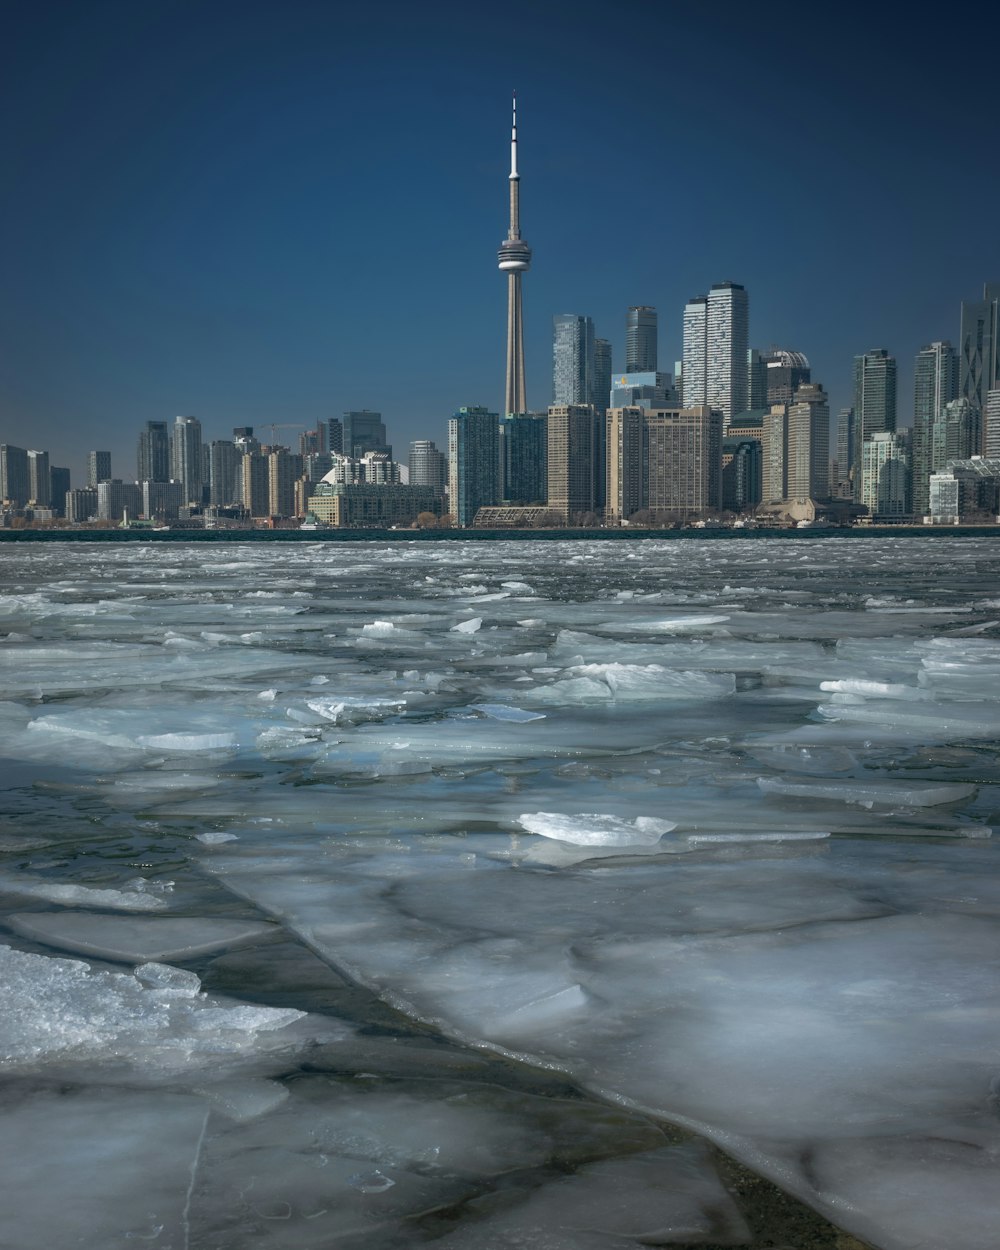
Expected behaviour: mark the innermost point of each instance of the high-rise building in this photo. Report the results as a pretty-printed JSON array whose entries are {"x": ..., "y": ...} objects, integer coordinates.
[
  {"x": 514, "y": 259},
  {"x": 874, "y": 406},
  {"x": 640, "y": 340},
  {"x": 60, "y": 479},
  {"x": 153, "y": 454},
  {"x": 115, "y": 498},
  {"x": 186, "y": 458},
  {"x": 255, "y": 492},
  {"x": 756, "y": 380},
  {"x": 727, "y": 335},
  {"x": 161, "y": 501},
  {"x": 845, "y": 454},
  {"x": 15, "y": 483},
  {"x": 39, "y": 479},
  {"x": 524, "y": 458},
  {"x": 716, "y": 346},
  {"x": 642, "y": 390},
  {"x": 364, "y": 431},
  {"x": 428, "y": 466},
  {"x": 742, "y": 466},
  {"x": 335, "y": 435},
  {"x": 473, "y": 463},
  {"x": 313, "y": 442},
  {"x": 573, "y": 364},
  {"x": 808, "y": 471},
  {"x": 570, "y": 459},
  {"x": 225, "y": 485},
  {"x": 774, "y": 442},
  {"x": 283, "y": 469},
  {"x": 694, "y": 371},
  {"x": 81, "y": 505},
  {"x": 98, "y": 467},
  {"x": 885, "y": 473},
  {"x": 667, "y": 460},
  {"x": 991, "y": 422},
  {"x": 785, "y": 372},
  {"x": 601, "y": 400},
  {"x": 935, "y": 385},
  {"x": 979, "y": 347},
  {"x": 955, "y": 435}
]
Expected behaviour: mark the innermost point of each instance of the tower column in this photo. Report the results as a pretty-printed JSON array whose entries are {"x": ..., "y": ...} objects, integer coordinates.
[{"x": 514, "y": 258}]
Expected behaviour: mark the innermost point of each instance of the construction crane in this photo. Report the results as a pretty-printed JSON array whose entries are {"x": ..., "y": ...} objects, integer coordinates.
[{"x": 274, "y": 426}]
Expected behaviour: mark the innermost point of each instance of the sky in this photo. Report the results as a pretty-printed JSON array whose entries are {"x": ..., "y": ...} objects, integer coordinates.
[{"x": 273, "y": 212}]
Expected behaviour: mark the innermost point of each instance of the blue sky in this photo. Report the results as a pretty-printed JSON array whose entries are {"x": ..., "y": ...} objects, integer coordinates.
[{"x": 255, "y": 212}]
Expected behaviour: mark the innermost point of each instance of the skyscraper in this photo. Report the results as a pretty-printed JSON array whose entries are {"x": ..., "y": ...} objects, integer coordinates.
[
  {"x": 845, "y": 453},
  {"x": 874, "y": 408},
  {"x": 524, "y": 458},
  {"x": 186, "y": 458},
  {"x": 785, "y": 372},
  {"x": 428, "y": 466},
  {"x": 570, "y": 457},
  {"x": 153, "y": 457},
  {"x": 640, "y": 340},
  {"x": 808, "y": 464},
  {"x": 668, "y": 460},
  {"x": 979, "y": 346},
  {"x": 39, "y": 479},
  {"x": 98, "y": 467},
  {"x": 572, "y": 359},
  {"x": 473, "y": 463},
  {"x": 601, "y": 400},
  {"x": 935, "y": 384},
  {"x": 514, "y": 258},
  {"x": 363, "y": 431},
  {"x": 225, "y": 476},
  {"x": 716, "y": 347}
]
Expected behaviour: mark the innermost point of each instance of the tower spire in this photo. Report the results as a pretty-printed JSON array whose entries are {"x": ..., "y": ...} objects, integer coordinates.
[{"x": 514, "y": 258}]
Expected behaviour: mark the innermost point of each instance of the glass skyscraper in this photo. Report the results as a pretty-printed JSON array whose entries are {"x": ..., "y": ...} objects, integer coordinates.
[
  {"x": 935, "y": 385},
  {"x": 573, "y": 363},
  {"x": 640, "y": 340},
  {"x": 874, "y": 409},
  {"x": 473, "y": 463}
]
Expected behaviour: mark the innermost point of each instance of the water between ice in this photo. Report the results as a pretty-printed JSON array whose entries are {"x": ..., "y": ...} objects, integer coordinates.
[{"x": 702, "y": 829}]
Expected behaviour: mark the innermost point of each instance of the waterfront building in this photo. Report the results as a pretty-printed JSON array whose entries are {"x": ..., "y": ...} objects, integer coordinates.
[
  {"x": 161, "y": 501},
  {"x": 885, "y": 474},
  {"x": 874, "y": 406},
  {"x": 283, "y": 469},
  {"x": 640, "y": 340},
  {"x": 570, "y": 459},
  {"x": 115, "y": 498},
  {"x": 360, "y": 504},
  {"x": 98, "y": 467},
  {"x": 666, "y": 460},
  {"x": 39, "y": 479},
  {"x": 966, "y": 491},
  {"x": 935, "y": 383},
  {"x": 60, "y": 485},
  {"x": 15, "y": 481},
  {"x": 255, "y": 495},
  {"x": 153, "y": 453},
  {"x": 81, "y": 505},
  {"x": 473, "y": 462},
  {"x": 514, "y": 259},
  {"x": 523, "y": 450},
  {"x": 742, "y": 465},
  {"x": 224, "y": 476}
]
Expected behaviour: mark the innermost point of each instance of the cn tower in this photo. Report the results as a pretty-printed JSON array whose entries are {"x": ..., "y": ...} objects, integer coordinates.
[{"x": 514, "y": 258}]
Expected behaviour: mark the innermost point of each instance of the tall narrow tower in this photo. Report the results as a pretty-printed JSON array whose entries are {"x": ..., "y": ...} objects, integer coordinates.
[{"x": 514, "y": 258}]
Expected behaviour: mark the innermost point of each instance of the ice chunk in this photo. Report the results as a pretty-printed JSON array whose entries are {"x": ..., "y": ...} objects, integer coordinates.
[
  {"x": 135, "y": 939},
  {"x": 79, "y": 895},
  {"x": 908, "y": 794},
  {"x": 588, "y": 682},
  {"x": 873, "y": 689},
  {"x": 468, "y": 627},
  {"x": 501, "y": 711},
  {"x": 188, "y": 742},
  {"x": 215, "y": 838},
  {"x": 593, "y": 829},
  {"x": 378, "y": 629}
]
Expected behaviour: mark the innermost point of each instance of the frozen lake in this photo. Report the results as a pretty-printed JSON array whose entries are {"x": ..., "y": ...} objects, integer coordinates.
[{"x": 495, "y": 896}]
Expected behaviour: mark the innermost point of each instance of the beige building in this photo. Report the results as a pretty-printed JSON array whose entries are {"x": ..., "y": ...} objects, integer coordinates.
[
  {"x": 668, "y": 460},
  {"x": 808, "y": 453},
  {"x": 357, "y": 505},
  {"x": 571, "y": 459},
  {"x": 282, "y": 470},
  {"x": 255, "y": 494}
]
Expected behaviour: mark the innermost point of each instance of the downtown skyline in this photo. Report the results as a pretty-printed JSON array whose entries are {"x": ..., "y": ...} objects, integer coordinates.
[{"x": 269, "y": 228}]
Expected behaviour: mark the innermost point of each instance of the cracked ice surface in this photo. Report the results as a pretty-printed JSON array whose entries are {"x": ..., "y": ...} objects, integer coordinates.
[{"x": 706, "y": 827}]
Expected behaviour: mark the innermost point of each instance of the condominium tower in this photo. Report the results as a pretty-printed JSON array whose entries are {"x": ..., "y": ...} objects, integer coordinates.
[
  {"x": 716, "y": 344},
  {"x": 640, "y": 340}
]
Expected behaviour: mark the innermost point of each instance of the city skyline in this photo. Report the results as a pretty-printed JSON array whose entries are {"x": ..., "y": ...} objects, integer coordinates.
[{"x": 214, "y": 225}]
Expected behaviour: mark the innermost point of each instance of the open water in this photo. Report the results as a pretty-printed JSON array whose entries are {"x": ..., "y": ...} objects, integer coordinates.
[{"x": 507, "y": 896}]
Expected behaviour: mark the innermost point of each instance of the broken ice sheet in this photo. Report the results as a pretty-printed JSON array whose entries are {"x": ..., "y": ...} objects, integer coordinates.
[
  {"x": 593, "y": 829},
  {"x": 134, "y": 939}
]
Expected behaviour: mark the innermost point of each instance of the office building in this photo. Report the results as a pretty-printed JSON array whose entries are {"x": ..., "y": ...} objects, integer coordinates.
[
  {"x": 874, "y": 406},
  {"x": 784, "y": 372},
  {"x": 642, "y": 390},
  {"x": 153, "y": 453},
  {"x": 602, "y": 375},
  {"x": 573, "y": 365},
  {"x": 885, "y": 474},
  {"x": 98, "y": 467},
  {"x": 979, "y": 347},
  {"x": 756, "y": 379},
  {"x": 935, "y": 384},
  {"x": 186, "y": 464},
  {"x": 808, "y": 455},
  {"x": 524, "y": 458},
  {"x": 39, "y": 479},
  {"x": 362, "y": 431},
  {"x": 570, "y": 460},
  {"x": 473, "y": 463},
  {"x": 514, "y": 259},
  {"x": 428, "y": 466},
  {"x": 955, "y": 435},
  {"x": 640, "y": 340}
]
